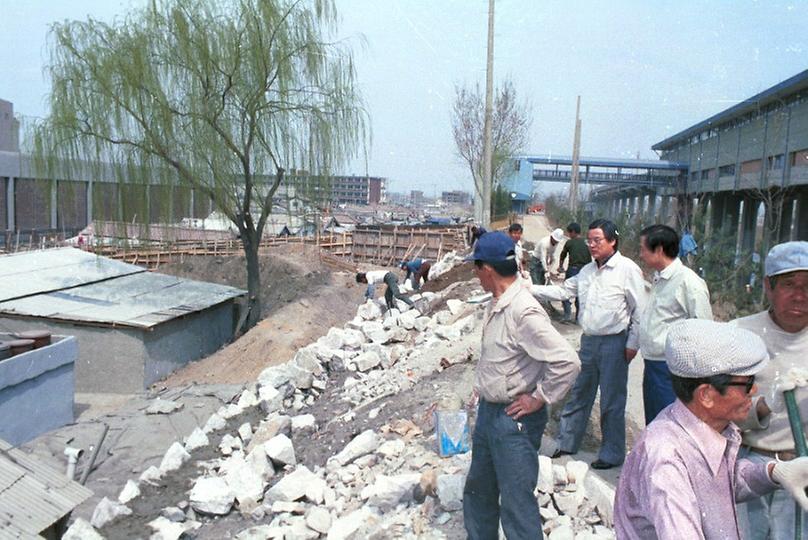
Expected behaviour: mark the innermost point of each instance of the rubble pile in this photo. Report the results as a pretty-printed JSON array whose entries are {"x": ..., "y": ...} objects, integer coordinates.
[{"x": 384, "y": 483}]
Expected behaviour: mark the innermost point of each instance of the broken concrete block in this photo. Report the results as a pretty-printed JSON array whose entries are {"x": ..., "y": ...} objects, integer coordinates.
[
  {"x": 383, "y": 352},
  {"x": 228, "y": 444},
  {"x": 421, "y": 323},
  {"x": 332, "y": 340},
  {"x": 197, "y": 439},
  {"x": 346, "y": 527},
  {"x": 301, "y": 378},
  {"x": 388, "y": 491},
  {"x": 398, "y": 335},
  {"x": 304, "y": 424},
  {"x": 318, "y": 519},
  {"x": 215, "y": 422},
  {"x": 274, "y": 376},
  {"x": 260, "y": 463},
  {"x": 449, "y": 333},
  {"x": 174, "y": 457},
  {"x": 247, "y": 486},
  {"x": 568, "y": 502},
  {"x": 455, "y": 306},
  {"x": 576, "y": 472},
  {"x": 559, "y": 475},
  {"x": 245, "y": 432},
  {"x": 308, "y": 360},
  {"x": 364, "y": 443},
  {"x": 545, "y": 481},
  {"x": 150, "y": 476},
  {"x": 130, "y": 491},
  {"x": 229, "y": 411},
  {"x": 443, "y": 317},
  {"x": 369, "y": 310},
  {"x": 246, "y": 400},
  {"x": 273, "y": 425},
  {"x": 162, "y": 406},
  {"x": 391, "y": 448},
  {"x": 367, "y": 361},
  {"x": 562, "y": 532},
  {"x": 269, "y": 398},
  {"x": 450, "y": 491},
  {"x": 293, "y": 486},
  {"x": 165, "y": 529},
  {"x": 211, "y": 495},
  {"x": 280, "y": 450},
  {"x": 407, "y": 320},
  {"x": 106, "y": 511},
  {"x": 81, "y": 530},
  {"x": 353, "y": 339}
]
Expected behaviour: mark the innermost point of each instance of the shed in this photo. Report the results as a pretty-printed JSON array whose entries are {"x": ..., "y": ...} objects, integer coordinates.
[
  {"x": 133, "y": 327},
  {"x": 35, "y": 500}
]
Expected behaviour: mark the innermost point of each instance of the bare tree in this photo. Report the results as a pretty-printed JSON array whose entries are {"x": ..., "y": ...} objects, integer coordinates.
[{"x": 511, "y": 124}]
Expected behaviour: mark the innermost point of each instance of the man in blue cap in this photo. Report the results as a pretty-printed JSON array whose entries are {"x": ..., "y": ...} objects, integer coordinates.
[
  {"x": 525, "y": 364},
  {"x": 767, "y": 432}
]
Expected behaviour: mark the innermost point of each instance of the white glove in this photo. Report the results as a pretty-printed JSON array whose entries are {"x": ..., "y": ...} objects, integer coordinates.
[{"x": 793, "y": 477}]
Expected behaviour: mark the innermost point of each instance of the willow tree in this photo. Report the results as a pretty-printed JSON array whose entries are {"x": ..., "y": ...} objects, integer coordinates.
[
  {"x": 209, "y": 95},
  {"x": 510, "y": 127}
]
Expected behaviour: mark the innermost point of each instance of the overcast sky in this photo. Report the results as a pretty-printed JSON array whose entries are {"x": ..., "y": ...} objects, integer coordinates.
[{"x": 644, "y": 69}]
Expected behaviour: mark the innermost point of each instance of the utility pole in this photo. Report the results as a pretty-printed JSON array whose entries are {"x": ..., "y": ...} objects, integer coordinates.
[
  {"x": 576, "y": 150},
  {"x": 489, "y": 99}
]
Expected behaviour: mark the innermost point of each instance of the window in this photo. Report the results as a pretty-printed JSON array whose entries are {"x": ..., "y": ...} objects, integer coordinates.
[
  {"x": 727, "y": 170},
  {"x": 776, "y": 162}
]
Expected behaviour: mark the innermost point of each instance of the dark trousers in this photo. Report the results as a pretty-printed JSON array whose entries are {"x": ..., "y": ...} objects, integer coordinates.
[
  {"x": 392, "y": 291},
  {"x": 536, "y": 271},
  {"x": 604, "y": 367},
  {"x": 504, "y": 467},
  {"x": 571, "y": 271},
  {"x": 657, "y": 388}
]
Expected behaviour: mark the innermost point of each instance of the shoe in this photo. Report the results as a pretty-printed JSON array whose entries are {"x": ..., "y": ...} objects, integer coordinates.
[
  {"x": 558, "y": 453},
  {"x": 602, "y": 465}
]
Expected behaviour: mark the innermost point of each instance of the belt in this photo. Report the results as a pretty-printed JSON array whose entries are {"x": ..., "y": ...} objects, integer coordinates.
[{"x": 782, "y": 455}]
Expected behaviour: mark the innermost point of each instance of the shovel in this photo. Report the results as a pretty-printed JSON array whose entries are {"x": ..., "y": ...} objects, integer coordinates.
[{"x": 799, "y": 445}]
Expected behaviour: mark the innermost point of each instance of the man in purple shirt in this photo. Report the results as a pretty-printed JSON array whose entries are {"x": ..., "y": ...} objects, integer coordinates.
[{"x": 683, "y": 476}]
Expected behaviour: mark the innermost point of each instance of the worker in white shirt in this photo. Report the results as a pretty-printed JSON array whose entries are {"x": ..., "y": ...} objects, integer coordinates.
[
  {"x": 677, "y": 293},
  {"x": 515, "y": 232},
  {"x": 612, "y": 294},
  {"x": 376, "y": 277},
  {"x": 544, "y": 256}
]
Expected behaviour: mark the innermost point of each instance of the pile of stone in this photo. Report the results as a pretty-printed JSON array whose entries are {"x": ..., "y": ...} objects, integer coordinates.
[{"x": 384, "y": 484}]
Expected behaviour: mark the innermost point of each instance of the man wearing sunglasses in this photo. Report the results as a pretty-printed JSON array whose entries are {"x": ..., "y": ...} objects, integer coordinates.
[
  {"x": 784, "y": 330},
  {"x": 683, "y": 476}
]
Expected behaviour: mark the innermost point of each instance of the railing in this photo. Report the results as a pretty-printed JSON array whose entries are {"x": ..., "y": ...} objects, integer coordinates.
[{"x": 653, "y": 180}]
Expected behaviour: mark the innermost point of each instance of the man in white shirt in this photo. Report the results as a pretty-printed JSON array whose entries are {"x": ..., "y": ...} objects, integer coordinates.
[
  {"x": 767, "y": 432},
  {"x": 376, "y": 277},
  {"x": 612, "y": 294},
  {"x": 544, "y": 256},
  {"x": 677, "y": 293}
]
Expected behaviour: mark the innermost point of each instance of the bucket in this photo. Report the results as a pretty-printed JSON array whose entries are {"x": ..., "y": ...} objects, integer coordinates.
[{"x": 41, "y": 338}]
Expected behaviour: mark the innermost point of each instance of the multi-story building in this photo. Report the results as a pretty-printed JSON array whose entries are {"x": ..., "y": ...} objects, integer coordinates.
[
  {"x": 361, "y": 190},
  {"x": 456, "y": 197},
  {"x": 416, "y": 197}
]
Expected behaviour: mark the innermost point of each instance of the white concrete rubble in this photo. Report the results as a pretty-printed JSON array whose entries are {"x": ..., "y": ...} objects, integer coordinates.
[
  {"x": 281, "y": 450},
  {"x": 174, "y": 458},
  {"x": 107, "y": 510},
  {"x": 81, "y": 530},
  {"x": 211, "y": 495},
  {"x": 130, "y": 491}
]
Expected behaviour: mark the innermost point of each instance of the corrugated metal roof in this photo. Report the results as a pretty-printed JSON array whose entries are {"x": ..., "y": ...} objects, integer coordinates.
[
  {"x": 35, "y": 272},
  {"x": 33, "y": 496},
  {"x": 138, "y": 299}
]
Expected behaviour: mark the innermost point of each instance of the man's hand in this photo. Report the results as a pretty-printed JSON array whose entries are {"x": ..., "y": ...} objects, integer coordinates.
[
  {"x": 630, "y": 354},
  {"x": 524, "y": 404},
  {"x": 793, "y": 476}
]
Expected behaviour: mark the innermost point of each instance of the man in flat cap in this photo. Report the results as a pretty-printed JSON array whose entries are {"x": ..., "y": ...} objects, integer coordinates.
[
  {"x": 683, "y": 476},
  {"x": 784, "y": 330},
  {"x": 525, "y": 365}
]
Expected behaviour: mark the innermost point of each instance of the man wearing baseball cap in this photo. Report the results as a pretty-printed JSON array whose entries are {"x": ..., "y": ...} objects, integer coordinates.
[
  {"x": 784, "y": 330},
  {"x": 683, "y": 476},
  {"x": 525, "y": 364}
]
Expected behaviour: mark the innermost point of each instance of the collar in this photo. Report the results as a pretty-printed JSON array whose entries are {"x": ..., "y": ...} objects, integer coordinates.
[
  {"x": 507, "y": 297},
  {"x": 670, "y": 270},
  {"x": 711, "y": 444},
  {"x": 611, "y": 260}
]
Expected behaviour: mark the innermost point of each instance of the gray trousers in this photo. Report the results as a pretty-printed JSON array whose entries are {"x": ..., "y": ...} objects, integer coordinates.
[{"x": 604, "y": 367}]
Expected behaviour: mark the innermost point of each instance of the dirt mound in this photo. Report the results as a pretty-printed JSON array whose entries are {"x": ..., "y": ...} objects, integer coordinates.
[{"x": 461, "y": 272}]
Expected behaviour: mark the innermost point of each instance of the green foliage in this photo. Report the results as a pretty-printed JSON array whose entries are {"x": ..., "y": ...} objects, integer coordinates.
[
  {"x": 500, "y": 203},
  {"x": 220, "y": 97}
]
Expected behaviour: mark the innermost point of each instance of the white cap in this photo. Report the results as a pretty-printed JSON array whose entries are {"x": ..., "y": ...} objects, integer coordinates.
[
  {"x": 557, "y": 235},
  {"x": 787, "y": 257},
  {"x": 697, "y": 348}
]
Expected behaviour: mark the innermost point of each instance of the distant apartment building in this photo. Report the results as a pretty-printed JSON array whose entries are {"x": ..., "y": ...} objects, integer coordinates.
[
  {"x": 361, "y": 190},
  {"x": 456, "y": 197},
  {"x": 416, "y": 197}
]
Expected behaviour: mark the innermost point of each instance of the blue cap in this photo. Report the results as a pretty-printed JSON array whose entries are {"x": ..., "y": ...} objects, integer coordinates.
[
  {"x": 492, "y": 247},
  {"x": 787, "y": 257}
]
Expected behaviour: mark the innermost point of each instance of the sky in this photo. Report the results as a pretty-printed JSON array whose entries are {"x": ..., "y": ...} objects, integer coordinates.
[{"x": 644, "y": 69}]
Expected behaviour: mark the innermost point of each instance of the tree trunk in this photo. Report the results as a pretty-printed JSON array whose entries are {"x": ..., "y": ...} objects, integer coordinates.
[{"x": 250, "y": 241}]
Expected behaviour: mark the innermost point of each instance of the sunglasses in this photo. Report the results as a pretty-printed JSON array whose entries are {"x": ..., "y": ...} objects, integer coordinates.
[{"x": 747, "y": 384}]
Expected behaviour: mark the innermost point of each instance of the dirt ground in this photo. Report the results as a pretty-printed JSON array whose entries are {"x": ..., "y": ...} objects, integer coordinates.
[{"x": 302, "y": 299}]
